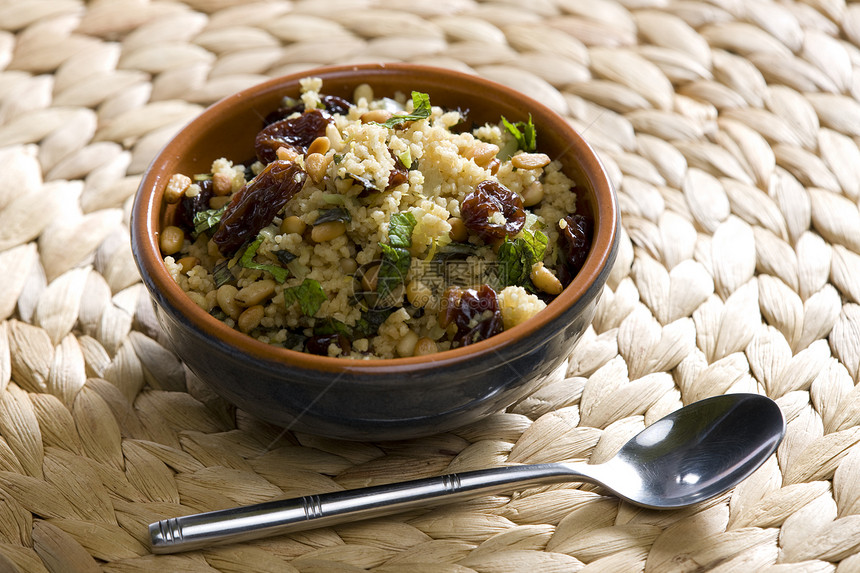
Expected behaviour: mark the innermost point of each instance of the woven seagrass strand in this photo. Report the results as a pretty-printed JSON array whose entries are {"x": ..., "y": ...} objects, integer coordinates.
[{"x": 731, "y": 132}]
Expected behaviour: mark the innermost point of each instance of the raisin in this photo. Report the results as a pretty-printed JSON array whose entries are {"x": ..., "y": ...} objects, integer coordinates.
[
  {"x": 318, "y": 344},
  {"x": 399, "y": 175},
  {"x": 475, "y": 313},
  {"x": 333, "y": 104},
  {"x": 256, "y": 204},
  {"x": 190, "y": 206},
  {"x": 574, "y": 240},
  {"x": 297, "y": 133},
  {"x": 481, "y": 205}
]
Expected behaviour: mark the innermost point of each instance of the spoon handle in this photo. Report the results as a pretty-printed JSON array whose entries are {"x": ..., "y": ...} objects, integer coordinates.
[{"x": 284, "y": 516}]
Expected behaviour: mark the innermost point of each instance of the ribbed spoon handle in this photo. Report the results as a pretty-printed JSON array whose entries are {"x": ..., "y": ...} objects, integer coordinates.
[{"x": 284, "y": 516}]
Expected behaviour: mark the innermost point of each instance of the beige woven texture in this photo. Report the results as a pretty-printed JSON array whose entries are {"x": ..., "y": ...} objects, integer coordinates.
[{"x": 731, "y": 131}]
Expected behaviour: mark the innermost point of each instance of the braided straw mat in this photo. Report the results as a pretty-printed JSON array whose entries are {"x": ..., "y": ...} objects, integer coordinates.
[{"x": 731, "y": 131}]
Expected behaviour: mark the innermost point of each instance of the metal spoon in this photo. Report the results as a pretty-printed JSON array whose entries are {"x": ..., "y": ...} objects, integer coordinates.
[{"x": 691, "y": 455}]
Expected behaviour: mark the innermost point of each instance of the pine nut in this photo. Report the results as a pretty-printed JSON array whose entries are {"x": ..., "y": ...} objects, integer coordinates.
[
  {"x": 544, "y": 279},
  {"x": 376, "y": 115},
  {"x": 369, "y": 278},
  {"x": 459, "y": 233},
  {"x": 319, "y": 145},
  {"x": 530, "y": 160},
  {"x": 406, "y": 345},
  {"x": 327, "y": 231},
  {"x": 256, "y": 292},
  {"x": 425, "y": 346},
  {"x": 482, "y": 153},
  {"x": 222, "y": 183},
  {"x": 348, "y": 266},
  {"x": 171, "y": 240},
  {"x": 176, "y": 187},
  {"x": 293, "y": 224},
  {"x": 418, "y": 294},
  {"x": 188, "y": 263},
  {"x": 287, "y": 154},
  {"x": 533, "y": 194},
  {"x": 316, "y": 165},
  {"x": 250, "y": 318},
  {"x": 226, "y": 298},
  {"x": 334, "y": 136}
]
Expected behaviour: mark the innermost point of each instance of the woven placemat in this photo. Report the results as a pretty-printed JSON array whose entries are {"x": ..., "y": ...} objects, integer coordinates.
[{"x": 731, "y": 131}]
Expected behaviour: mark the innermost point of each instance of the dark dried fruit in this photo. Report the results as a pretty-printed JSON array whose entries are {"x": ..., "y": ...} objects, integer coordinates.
[
  {"x": 296, "y": 134},
  {"x": 488, "y": 198},
  {"x": 256, "y": 204},
  {"x": 333, "y": 104},
  {"x": 475, "y": 313},
  {"x": 399, "y": 175},
  {"x": 574, "y": 240},
  {"x": 318, "y": 344},
  {"x": 190, "y": 206}
]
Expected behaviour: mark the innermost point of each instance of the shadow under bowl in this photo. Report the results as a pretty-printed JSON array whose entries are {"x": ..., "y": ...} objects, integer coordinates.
[{"x": 373, "y": 399}]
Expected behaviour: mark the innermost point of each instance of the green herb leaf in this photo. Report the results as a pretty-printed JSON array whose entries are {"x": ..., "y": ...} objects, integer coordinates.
[
  {"x": 332, "y": 326},
  {"x": 523, "y": 132},
  {"x": 455, "y": 250},
  {"x": 420, "y": 110},
  {"x": 392, "y": 271},
  {"x": 336, "y": 214},
  {"x": 517, "y": 257},
  {"x": 279, "y": 273},
  {"x": 406, "y": 158},
  {"x": 369, "y": 323},
  {"x": 364, "y": 182},
  {"x": 310, "y": 296},
  {"x": 337, "y": 158},
  {"x": 221, "y": 274},
  {"x": 208, "y": 219},
  {"x": 285, "y": 257},
  {"x": 400, "y": 228}
]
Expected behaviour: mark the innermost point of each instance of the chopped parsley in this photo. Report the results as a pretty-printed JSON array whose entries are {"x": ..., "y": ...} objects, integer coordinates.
[
  {"x": 310, "y": 296},
  {"x": 517, "y": 257},
  {"x": 523, "y": 132},
  {"x": 279, "y": 273},
  {"x": 396, "y": 257},
  {"x": 420, "y": 110},
  {"x": 208, "y": 219}
]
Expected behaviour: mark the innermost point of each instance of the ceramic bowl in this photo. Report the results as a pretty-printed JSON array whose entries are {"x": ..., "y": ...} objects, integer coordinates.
[{"x": 373, "y": 399}]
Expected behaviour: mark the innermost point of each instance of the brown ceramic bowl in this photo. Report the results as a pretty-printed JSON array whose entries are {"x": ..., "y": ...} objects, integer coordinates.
[{"x": 373, "y": 399}]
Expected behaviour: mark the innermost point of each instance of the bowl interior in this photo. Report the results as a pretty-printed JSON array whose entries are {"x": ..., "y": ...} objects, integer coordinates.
[{"x": 227, "y": 129}]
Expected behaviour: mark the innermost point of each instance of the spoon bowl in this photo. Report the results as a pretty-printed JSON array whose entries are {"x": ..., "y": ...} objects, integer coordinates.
[
  {"x": 689, "y": 456},
  {"x": 694, "y": 453}
]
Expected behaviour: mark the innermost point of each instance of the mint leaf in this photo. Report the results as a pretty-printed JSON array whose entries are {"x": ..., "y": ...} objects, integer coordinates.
[
  {"x": 393, "y": 269},
  {"x": 370, "y": 321},
  {"x": 335, "y": 214},
  {"x": 396, "y": 257},
  {"x": 309, "y": 295},
  {"x": 523, "y": 132},
  {"x": 517, "y": 257},
  {"x": 420, "y": 110},
  {"x": 205, "y": 220},
  {"x": 400, "y": 228},
  {"x": 279, "y": 273},
  {"x": 221, "y": 274}
]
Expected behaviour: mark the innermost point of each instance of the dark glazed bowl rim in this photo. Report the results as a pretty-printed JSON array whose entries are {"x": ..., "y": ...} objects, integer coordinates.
[{"x": 146, "y": 218}]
